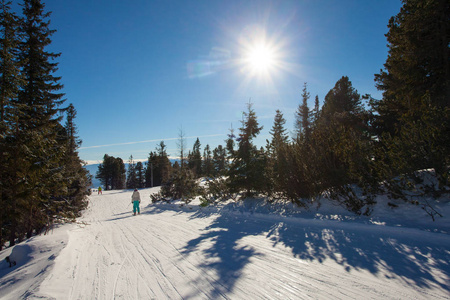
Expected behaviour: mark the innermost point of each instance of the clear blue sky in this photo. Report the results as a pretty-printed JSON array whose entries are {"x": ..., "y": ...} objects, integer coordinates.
[{"x": 138, "y": 71}]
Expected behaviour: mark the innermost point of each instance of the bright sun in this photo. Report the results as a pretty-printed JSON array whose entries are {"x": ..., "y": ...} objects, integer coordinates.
[{"x": 260, "y": 58}]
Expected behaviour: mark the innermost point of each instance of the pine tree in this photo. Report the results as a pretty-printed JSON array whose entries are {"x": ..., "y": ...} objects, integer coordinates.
[
  {"x": 219, "y": 160},
  {"x": 140, "y": 175},
  {"x": 159, "y": 166},
  {"x": 132, "y": 181},
  {"x": 150, "y": 170},
  {"x": 302, "y": 116},
  {"x": 118, "y": 174},
  {"x": 412, "y": 120},
  {"x": 111, "y": 173},
  {"x": 276, "y": 152},
  {"x": 230, "y": 144},
  {"x": 246, "y": 172},
  {"x": 343, "y": 101},
  {"x": 10, "y": 82},
  {"x": 315, "y": 113},
  {"x": 195, "y": 159},
  {"x": 278, "y": 133},
  {"x": 418, "y": 62},
  {"x": 37, "y": 123},
  {"x": 208, "y": 167},
  {"x": 77, "y": 178},
  {"x": 341, "y": 146},
  {"x": 104, "y": 172}
]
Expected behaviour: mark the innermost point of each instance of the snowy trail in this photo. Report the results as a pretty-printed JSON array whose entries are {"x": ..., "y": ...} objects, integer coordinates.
[{"x": 169, "y": 252}]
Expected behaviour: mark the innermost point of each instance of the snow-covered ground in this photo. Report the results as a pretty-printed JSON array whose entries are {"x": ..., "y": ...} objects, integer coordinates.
[{"x": 251, "y": 250}]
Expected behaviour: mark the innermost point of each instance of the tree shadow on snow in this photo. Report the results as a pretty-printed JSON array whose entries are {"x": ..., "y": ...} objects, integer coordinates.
[
  {"x": 404, "y": 253},
  {"x": 389, "y": 253},
  {"x": 225, "y": 256}
]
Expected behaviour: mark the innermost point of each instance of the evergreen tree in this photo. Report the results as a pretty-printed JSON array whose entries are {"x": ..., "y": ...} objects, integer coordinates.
[
  {"x": 279, "y": 135},
  {"x": 230, "y": 143},
  {"x": 10, "y": 81},
  {"x": 246, "y": 172},
  {"x": 412, "y": 120},
  {"x": 219, "y": 160},
  {"x": 195, "y": 159},
  {"x": 132, "y": 181},
  {"x": 181, "y": 183},
  {"x": 118, "y": 174},
  {"x": 418, "y": 62},
  {"x": 140, "y": 175},
  {"x": 276, "y": 152},
  {"x": 111, "y": 173},
  {"x": 37, "y": 124},
  {"x": 159, "y": 165},
  {"x": 208, "y": 167},
  {"x": 341, "y": 146},
  {"x": 77, "y": 178},
  {"x": 302, "y": 115},
  {"x": 42, "y": 178},
  {"x": 315, "y": 113},
  {"x": 150, "y": 170},
  {"x": 342, "y": 102}
]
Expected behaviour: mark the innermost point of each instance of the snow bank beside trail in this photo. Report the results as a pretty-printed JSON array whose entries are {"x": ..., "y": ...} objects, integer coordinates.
[
  {"x": 34, "y": 258},
  {"x": 406, "y": 215}
]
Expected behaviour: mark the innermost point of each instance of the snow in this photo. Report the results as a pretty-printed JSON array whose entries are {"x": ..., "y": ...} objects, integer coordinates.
[{"x": 235, "y": 250}]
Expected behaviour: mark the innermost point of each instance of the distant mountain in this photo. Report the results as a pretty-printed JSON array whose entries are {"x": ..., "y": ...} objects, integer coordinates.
[{"x": 93, "y": 170}]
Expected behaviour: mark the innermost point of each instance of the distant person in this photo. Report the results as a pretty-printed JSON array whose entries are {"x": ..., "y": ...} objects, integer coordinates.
[
  {"x": 136, "y": 199},
  {"x": 99, "y": 190}
]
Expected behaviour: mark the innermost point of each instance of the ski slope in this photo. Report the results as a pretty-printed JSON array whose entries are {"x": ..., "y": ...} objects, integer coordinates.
[{"x": 174, "y": 251}]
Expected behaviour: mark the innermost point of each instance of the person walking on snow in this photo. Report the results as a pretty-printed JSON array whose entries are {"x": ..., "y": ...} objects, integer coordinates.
[
  {"x": 99, "y": 190},
  {"x": 136, "y": 199}
]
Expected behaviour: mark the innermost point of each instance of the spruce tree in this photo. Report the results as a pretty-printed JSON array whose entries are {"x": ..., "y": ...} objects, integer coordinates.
[
  {"x": 302, "y": 118},
  {"x": 208, "y": 167},
  {"x": 230, "y": 144},
  {"x": 418, "y": 62},
  {"x": 276, "y": 152},
  {"x": 341, "y": 145},
  {"x": 412, "y": 120},
  {"x": 279, "y": 135},
  {"x": 150, "y": 170},
  {"x": 10, "y": 82},
  {"x": 77, "y": 178},
  {"x": 37, "y": 123},
  {"x": 118, "y": 174},
  {"x": 219, "y": 160},
  {"x": 195, "y": 159},
  {"x": 159, "y": 166},
  {"x": 131, "y": 174},
  {"x": 247, "y": 171},
  {"x": 315, "y": 112},
  {"x": 140, "y": 175},
  {"x": 104, "y": 172}
]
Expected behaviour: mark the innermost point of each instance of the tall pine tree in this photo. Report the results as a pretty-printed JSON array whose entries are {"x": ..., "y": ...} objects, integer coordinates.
[
  {"x": 247, "y": 169},
  {"x": 37, "y": 123},
  {"x": 418, "y": 63},
  {"x": 412, "y": 120},
  {"x": 10, "y": 82}
]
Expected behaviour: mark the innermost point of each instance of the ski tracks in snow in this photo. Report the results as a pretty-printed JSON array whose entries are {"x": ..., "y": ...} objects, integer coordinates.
[{"x": 168, "y": 253}]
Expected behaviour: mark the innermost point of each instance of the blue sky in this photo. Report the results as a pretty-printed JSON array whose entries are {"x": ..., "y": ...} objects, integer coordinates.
[{"x": 141, "y": 71}]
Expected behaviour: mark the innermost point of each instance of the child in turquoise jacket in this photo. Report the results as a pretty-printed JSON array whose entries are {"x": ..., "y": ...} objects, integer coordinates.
[{"x": 136, "y": 199}]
